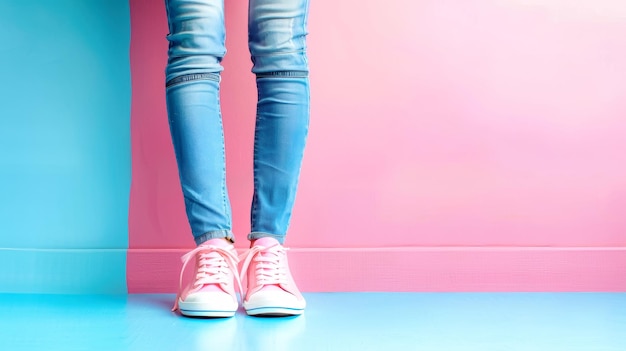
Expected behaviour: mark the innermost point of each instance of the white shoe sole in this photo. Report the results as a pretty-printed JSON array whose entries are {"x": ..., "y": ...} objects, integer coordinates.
[
  {"x": 196, "y": 309},
  {"x": 264, "y": 303},
  {"x": 274, "y": 311}
]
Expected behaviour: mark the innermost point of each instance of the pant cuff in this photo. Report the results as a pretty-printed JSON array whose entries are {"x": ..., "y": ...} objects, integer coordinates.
[
  {"x": 216, "y": 234},
  {"x": 259, "y": 235}
]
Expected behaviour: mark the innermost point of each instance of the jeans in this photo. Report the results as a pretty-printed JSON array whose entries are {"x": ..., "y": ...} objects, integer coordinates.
[{"x": 276, "y": 37}]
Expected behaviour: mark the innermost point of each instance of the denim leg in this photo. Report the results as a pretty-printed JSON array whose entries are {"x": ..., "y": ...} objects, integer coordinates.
[
  {"x": 277, "y": 33},
  {"x": 196, "y": 49}
]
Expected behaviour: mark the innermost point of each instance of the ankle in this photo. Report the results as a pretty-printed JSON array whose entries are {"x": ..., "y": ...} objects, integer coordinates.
[
  {"x": 217, "y": 242},
  {"x": 264, "y": 241}
]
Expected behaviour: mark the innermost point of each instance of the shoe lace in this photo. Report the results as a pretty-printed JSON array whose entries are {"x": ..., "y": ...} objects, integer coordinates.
[
  {"x": 212, "y": 269},
  {"x": 270, "y": 269}
]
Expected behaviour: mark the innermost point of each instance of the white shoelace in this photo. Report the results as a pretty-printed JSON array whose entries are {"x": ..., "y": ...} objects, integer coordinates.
[
  {"x": 211, "y": 270},
  {"x": 270, "y": 270}
]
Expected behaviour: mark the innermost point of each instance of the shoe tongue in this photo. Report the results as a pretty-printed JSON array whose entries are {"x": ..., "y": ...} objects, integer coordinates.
[
  {"x": 221, "y": 243},
  {"x": 217, "y": 242},
  {"x": 265, "y": 241},
  {"x": 268, "y": 242}
]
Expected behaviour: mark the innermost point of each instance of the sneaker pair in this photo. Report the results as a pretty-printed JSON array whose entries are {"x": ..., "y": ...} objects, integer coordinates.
[{"x": 271, "y": 288}]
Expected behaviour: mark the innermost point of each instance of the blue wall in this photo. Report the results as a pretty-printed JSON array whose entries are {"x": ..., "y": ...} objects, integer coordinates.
[{"x": 64, "y": 145}]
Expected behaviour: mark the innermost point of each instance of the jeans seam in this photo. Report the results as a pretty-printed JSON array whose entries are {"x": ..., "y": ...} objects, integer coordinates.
[
  {"x": 191, "y": 78},
  {"x": 253, "y": 212},
  {"x": 299, "y": 51},
  {"x": 224, "y": 186},
  {"x": 283, "y": 74}
]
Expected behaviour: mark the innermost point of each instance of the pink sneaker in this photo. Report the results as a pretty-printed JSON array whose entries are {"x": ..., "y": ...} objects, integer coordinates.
[
  {"x": 271, "y": 288},
  {"x": 212, "y": 291}
]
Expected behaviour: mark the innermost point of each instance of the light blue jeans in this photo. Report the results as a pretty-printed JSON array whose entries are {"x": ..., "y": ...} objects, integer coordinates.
[{"x": 276, "y": 36}]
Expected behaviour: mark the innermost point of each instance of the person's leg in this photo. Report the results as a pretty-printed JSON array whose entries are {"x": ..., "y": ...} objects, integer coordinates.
[
  {"x": 192, "y": 91},
  {"x": 196, "y": 48},
  {"x": 277, "y": 32}
]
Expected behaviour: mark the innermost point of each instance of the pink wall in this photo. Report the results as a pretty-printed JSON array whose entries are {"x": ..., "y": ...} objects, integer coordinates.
[{"x": 483, "y": 123}]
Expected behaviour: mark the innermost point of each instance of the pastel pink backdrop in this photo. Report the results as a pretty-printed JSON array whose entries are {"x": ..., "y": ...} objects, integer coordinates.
[{"x": 454, "y": 145}]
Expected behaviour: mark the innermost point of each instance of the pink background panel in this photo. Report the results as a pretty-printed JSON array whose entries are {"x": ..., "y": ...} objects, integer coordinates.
[
  {"x": 434, "y": 123},
  {"x": 466, "y": 123}
]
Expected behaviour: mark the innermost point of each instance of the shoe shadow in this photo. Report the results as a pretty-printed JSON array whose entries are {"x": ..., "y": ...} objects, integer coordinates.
[{"x": 273, "y": 333}]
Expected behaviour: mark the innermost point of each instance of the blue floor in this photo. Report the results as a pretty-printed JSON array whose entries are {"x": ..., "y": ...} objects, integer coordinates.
[{"x": 332, "y": 321}]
